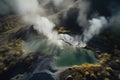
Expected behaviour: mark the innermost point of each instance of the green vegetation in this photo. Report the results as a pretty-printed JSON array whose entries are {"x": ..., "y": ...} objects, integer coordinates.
[
  {"x": 10, "y": 54},
  {"x": 8, "y": 23}
]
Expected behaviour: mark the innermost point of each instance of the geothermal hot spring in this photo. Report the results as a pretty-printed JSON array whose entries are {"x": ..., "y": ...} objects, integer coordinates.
[
  {"x": 66, "y": 49},
  {"x": 70, "y": 53},
  {"x": 62, "y": 49}
]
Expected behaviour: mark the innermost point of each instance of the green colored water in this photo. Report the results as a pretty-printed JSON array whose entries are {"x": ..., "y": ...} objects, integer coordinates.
[
  {"x": 67, "y": 56},
  {"x": 70, "y": 57}
]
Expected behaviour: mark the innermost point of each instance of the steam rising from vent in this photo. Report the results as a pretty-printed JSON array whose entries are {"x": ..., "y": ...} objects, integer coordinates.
[
  {"x": 43, "y": 25},
  {"x": 96, "y": 24},
  {"x": 29, "y": 9},
  {"x": 31, "y": 15}
]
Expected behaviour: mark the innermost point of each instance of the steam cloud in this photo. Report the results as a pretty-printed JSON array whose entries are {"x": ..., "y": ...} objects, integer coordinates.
[
  {"x": 96, "y": 24},
  {"x": 95, "y": 27},
  {"x": 38, "y": 13},
  {"x": 30, "y": 14}
]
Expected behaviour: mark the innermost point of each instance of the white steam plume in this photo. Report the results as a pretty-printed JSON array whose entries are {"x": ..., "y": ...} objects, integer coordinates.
[
  {"x": 96, "y": 24},
  {"x": 29, "y": 9}
]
